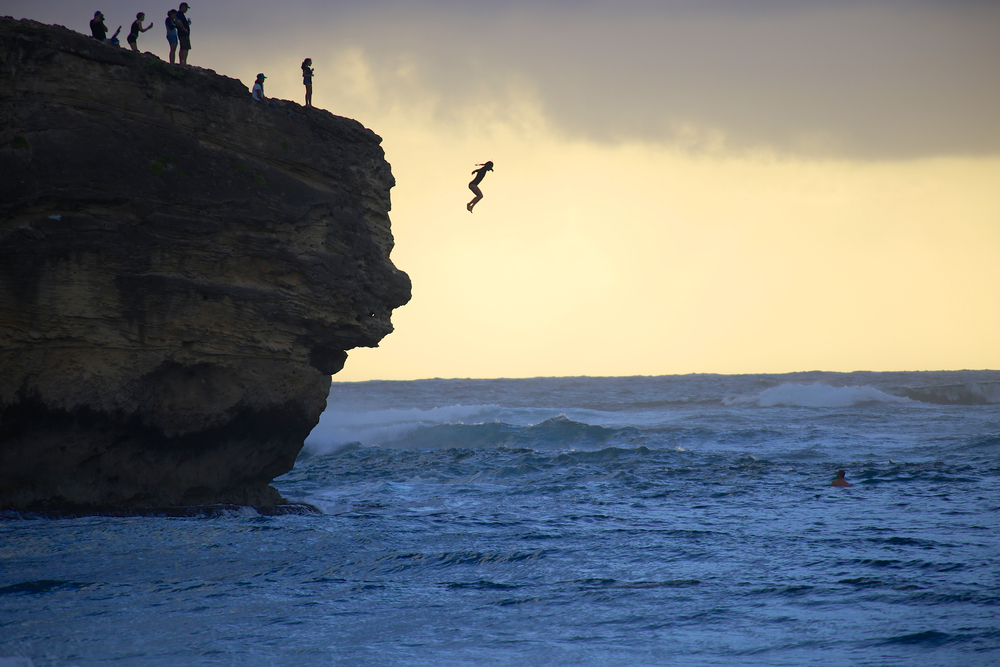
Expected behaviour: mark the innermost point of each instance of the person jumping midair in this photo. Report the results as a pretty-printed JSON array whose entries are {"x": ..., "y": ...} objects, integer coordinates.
[{"x": 474, "y": 185}]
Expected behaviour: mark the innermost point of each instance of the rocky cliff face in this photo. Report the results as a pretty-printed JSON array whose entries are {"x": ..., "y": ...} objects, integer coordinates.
[{"x": 181, "y": 270}]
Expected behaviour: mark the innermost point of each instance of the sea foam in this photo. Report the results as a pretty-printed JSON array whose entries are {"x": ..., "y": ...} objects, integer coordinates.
[
  {"x": 814, "y": 396},
  {"x": 337, "y": 429}
]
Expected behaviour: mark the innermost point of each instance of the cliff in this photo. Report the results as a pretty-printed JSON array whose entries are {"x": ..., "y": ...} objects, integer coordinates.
[{"x": 181, "y": 270}]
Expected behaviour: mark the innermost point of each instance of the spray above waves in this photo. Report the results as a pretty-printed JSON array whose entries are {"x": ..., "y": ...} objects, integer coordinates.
[
  {"x": 814, "y": 396},
  {"x": 972, "y": 393},
  {"x": 421, "y": 432},
  {"x": 338, "y": 429},
  {"x": 591, "y": 413},
  {"x": 826, "y": 396},
  {"x": 554, "y": 433}
]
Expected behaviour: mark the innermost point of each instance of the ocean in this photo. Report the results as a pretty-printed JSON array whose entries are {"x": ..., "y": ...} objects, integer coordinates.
[{"x": 677, "y": 520}]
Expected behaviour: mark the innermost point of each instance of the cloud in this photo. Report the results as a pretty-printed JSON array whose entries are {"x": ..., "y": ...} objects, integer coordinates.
[
  {"x": 864, "y": 80},
  {"x": 898, "y": 80}
]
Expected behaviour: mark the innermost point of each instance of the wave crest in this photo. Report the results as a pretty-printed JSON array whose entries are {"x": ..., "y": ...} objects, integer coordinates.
[
  {"x": 973, "y": 393},
  {"x": 814, "y": 396},
  {"x": 455, "y": 427},
  {"x": 557, "y": 432}
]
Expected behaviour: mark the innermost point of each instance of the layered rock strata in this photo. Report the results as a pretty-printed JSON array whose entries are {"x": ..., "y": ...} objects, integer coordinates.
[{"x": 181, "y": 270}]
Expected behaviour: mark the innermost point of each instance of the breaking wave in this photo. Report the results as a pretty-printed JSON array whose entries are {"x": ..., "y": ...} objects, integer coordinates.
[
  {"x": 455, "y": 427},
  {"x": 973, "y": 393},
  {"x": 814, "y": 396},
  {"x": 337, "y": 429},
  {"x": 826, "y": 396}
]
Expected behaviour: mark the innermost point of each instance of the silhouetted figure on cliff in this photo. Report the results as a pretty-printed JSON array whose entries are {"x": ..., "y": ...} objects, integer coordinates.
[
  {"x": 98, "y": 30},
  {"x": 258, "y": 88},
  {"x": 258, "y": 91},
  {"x": 474, "y": 184},
  {"x": 133, "y": 35},
  {"x": 171, "y": 24},
  {"x": 307, "y": 80},
  {"x": 184, "y": 31},
  {"x": 840, "y": 481}
]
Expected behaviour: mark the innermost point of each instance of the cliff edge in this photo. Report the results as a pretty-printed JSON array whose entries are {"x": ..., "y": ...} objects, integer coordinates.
[{"x": 181, "y": 270}]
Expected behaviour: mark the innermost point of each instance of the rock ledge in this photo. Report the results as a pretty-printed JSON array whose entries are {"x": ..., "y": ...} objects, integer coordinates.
[{"x": 181, "y": 271}]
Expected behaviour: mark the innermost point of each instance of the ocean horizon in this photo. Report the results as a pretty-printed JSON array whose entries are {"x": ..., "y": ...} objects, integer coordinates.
[{"x": 647, "y": 520}]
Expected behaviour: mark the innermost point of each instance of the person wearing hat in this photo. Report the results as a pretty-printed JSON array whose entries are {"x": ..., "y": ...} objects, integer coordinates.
[
  {"x": 184, "y": 31},
  {"x": 133, "y": 36},
  {"x": 258, "y": 91},
  {"x": 98, "y": 30},
  {"x": 258, "y": 88}
]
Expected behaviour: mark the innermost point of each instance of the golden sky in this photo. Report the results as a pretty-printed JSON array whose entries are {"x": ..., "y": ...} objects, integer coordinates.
[{"x": 720, "y": 186}]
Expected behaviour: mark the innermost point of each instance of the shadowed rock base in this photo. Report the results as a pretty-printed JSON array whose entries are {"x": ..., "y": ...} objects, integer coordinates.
[{"x": 173, "y": 511}]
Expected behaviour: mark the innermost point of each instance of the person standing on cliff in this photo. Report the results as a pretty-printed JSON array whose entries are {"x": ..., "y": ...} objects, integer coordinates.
[
  {"x": 184, "y": 31},
  {"x": 474, "y": 185},
  {"x": 307, "y": 80},
  {"x": 171, "y": 24},
  {"x": 98, "y": 30},
  {"x": 133, "y": 36}
]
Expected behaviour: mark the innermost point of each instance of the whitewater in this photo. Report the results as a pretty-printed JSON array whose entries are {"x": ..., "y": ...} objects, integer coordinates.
[{"x": 560, "y": 521}]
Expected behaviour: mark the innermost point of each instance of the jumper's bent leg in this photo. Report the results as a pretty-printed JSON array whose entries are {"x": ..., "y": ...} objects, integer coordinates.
[{"x": 479, "y": 195}]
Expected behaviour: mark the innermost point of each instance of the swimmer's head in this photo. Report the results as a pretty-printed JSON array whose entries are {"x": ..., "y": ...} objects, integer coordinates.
[
  {"x": 489, "y": 165},
  {"x": 840, "y": 474}
]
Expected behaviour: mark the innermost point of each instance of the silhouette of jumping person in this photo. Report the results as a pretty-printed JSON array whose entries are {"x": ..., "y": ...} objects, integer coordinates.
[{"x": 474, "y": 184}]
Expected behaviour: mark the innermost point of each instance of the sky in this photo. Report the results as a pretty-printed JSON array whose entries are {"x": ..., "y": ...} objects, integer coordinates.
[{"x": 712, "y": 186}]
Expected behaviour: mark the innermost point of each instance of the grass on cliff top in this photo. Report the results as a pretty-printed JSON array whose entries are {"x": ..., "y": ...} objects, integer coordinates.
[{"x": 157, "y": 66}]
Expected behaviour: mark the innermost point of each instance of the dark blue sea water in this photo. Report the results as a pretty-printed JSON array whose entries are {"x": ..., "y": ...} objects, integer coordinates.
[{"x": 562, "y": 521}]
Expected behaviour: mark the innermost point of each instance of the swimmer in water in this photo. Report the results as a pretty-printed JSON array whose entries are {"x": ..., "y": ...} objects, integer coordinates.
[
  {"x": 474, "y": 185},
  {"x": 840, "y": 481}
]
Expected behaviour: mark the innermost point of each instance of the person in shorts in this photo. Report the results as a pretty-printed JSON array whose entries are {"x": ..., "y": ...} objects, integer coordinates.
[
  {"x": 307, "y": 80},
  {"x": 133, "y": 36},
  {"x": 184, "y": 31},
  {"x": 171, "y": 24}
]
